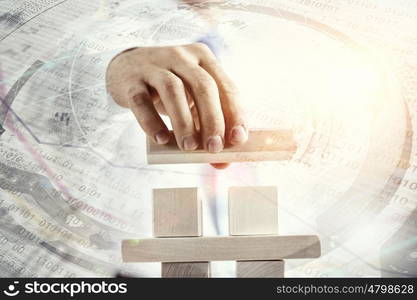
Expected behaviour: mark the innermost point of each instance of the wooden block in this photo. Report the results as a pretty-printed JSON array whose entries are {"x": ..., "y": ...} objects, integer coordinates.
[
  {"x": 253, "y": 210},
  {"x": 186, "y": 270},
  {"x": 198, "y": 249},
  {"x": 262, "y": 145},
  {"x": 260, "y": 269},
  {"x": 177, "y": 212}
]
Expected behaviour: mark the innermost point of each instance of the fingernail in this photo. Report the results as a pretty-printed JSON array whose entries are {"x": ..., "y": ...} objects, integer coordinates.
[
  {"x": 162, "y": 137},
  {"x": 239, "y": 134},
  {"x": 215, "y": 144},
  {"x": 189, "y": 143}
]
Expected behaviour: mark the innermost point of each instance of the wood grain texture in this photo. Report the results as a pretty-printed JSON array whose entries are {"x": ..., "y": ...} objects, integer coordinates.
[
  {"x": 177, "y": 212},
  {"x": 253, "y": 210},
  {"x": 262, "y": 145},
  {"x": 220, "y": 248},
  {"x": 260, "y": 269},
  {"x": 186, "y": 270}
]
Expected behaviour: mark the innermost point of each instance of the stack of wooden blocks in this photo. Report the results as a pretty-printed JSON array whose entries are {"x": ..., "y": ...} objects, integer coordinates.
[{"x": 253, "y": 240}]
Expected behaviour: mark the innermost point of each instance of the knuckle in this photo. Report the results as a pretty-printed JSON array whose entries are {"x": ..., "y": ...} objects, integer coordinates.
[
  {"x": 146, "y": 123},
  {"x": 171, "y": 83},
  {"x": 212, "y": 62},
  {"x": 203, "y": 83},
  {"x": 177, "y": 52},
  {"x": 136, "y": 97},
  {"x": 202, "y": 48}
]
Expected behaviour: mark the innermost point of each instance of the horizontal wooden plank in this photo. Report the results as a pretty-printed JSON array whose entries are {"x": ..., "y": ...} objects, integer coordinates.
[
  {"x": 262, "y": 145},
  {"x": 190, "y": 249}
]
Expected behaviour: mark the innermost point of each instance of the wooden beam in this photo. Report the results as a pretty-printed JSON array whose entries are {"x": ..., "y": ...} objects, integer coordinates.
[
  {"x": 220, "y": 248},
  {"x": 262, "y": 145},
  {"x": 253, "y": 210}
]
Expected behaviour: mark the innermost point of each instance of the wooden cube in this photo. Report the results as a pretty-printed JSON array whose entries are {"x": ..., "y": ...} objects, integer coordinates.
[
  {"x": 177, "y": 212},
  {"x": 186, "y": 270},
  {"x": 253, "y": 210},
  {"x": 260, "y": 269}
]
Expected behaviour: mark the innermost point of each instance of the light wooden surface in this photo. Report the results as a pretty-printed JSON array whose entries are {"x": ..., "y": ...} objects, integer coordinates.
[
  {"x": 220, "y": 248},
  {"x": 260, "y": 269},
  {"x": 186, "y": 270},
  {"x": 253, "y": 210},
  {"x": 176, "y": 212},
  {"x": 262, "y": 145}
]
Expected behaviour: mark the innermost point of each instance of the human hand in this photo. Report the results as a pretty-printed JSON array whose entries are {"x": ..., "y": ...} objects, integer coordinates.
[{"x": 188, "y": 84}]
